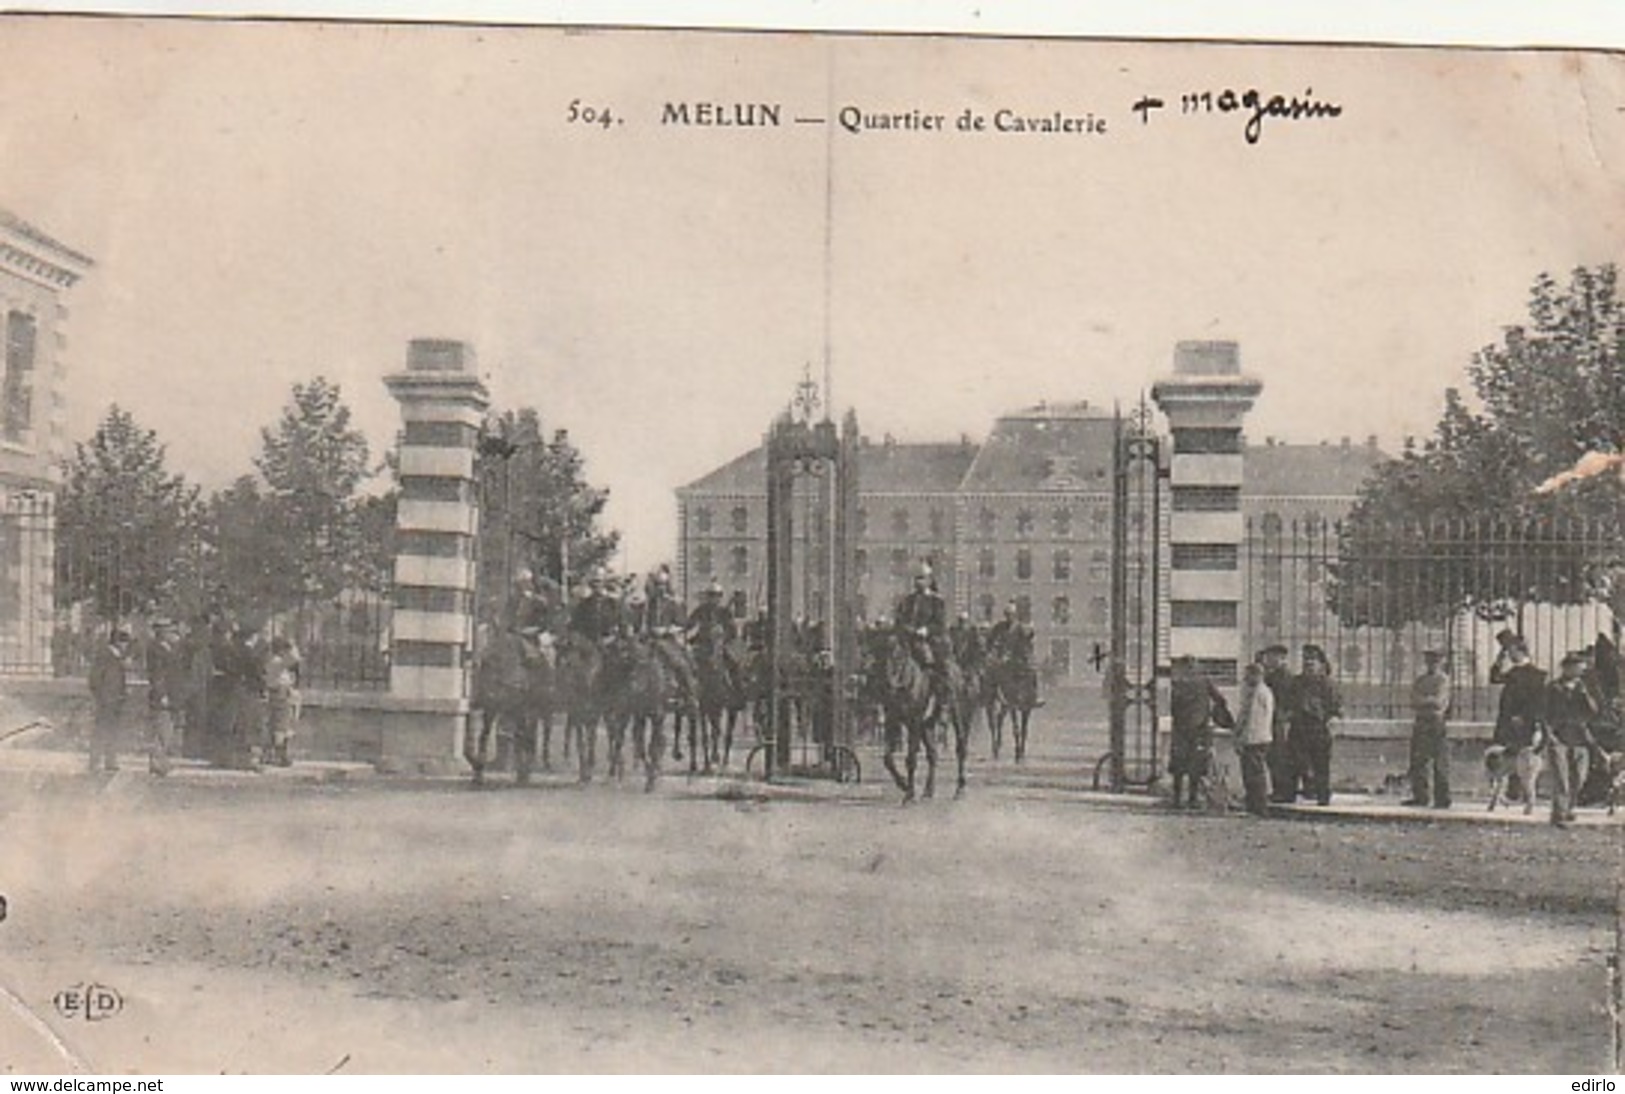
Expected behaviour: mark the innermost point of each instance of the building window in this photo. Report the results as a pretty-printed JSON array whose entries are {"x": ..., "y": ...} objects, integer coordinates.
[
  {"x": 1024, "y": 522},
  {"x": 985, "y": 606},
  {"x": 740, "y": 560},
  {"x": 988, "y": 521},
  {"x": 1024, "y": 564},
  {"x": 862, "y": 608},
  {"x": 1100, "y": 521},
  {"x": 1024, "y": 608},
  {"x": 939, "y": 524},
  {"x": 1271, "y": 524},
  {"x": 1060, "y": 656},
  {"x": 737, "y": 605},
  {"x": 899, "y": 523},
  {"x": 1060, "y": 611},
  {"x": 987, "y": 565},
  {"x": 860, "y": 562},
  {"x": 702, "y": 520},
  {"x": 702, "y": 561},
  {"x": 1063, "y": 524},
  {"x": 1100, "y": 566},
  {"x": 1063, "y": 565},
  {"x": 1098, "y": 610},
  {"x": 862, "y": 528},
  {"x": 899, "y": 562},
  {"x": 19, "y": 386}
]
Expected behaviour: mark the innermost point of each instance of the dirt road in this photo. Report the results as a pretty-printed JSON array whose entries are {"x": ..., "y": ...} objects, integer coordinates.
[{"x": 420, "y": 927}]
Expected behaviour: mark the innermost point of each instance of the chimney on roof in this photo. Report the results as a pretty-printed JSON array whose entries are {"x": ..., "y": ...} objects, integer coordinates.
[
  {"x": 1269, "y": 442},
  {"x": 889, "y": 441},
  {"x": 964, "y": 440},
  {"x": 1345, "y": 442},
  {"x": 1371, "y": 441}
]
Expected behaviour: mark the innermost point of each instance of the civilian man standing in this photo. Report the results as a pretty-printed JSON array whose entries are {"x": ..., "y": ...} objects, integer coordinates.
[
  {"x": 1430, "y": 746},
  {"x": 108, "y": 686}
]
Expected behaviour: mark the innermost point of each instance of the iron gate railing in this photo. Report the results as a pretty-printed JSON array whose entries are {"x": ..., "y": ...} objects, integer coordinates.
[
  {"x": 54, "y": 600},
  {"x": 1375, "y": 596}
]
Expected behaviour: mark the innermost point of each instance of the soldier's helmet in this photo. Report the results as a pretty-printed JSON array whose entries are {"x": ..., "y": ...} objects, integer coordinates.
[{"x": 714, "y": 589}]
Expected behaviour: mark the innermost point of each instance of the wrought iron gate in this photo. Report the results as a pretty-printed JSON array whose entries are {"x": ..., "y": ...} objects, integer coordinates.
[
  {"x": 1137, "y": 638},
  {"x": 812, "y": 505}
]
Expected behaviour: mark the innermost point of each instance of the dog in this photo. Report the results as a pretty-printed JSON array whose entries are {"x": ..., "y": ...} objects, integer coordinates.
[
  {"x": 1616, "y": 780},
  {"x": 1500, "y": 762}
]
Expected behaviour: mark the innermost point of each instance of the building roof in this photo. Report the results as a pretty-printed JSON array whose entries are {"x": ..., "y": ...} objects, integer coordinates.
[
  {"x": 18, "y": 226},
  {"x": 883, "y": 467},
  {"x": 1052, "y": 446},
  {"x": 1275, "y": 470}
]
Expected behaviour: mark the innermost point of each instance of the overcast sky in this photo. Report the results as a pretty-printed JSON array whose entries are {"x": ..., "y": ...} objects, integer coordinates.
[{"x": 267, "y": 202}]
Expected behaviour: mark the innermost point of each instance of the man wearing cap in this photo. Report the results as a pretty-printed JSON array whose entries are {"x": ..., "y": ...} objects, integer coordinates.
[
  {"x": 1430, "y": 746},
  {"x": 1192, "y": 698},
  {"x": 1570, "y": 709},
  {"x": 1521, "y": 712},
  {"x": 1282, "y": 768},
  {"x": 108, "y": 686},
  {"x": 1316, "y": 704}
]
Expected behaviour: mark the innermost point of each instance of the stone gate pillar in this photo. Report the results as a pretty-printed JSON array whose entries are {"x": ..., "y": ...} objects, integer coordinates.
[
  {"x": 443, "y": 404},
  {"x": 1206, "y": 400}
]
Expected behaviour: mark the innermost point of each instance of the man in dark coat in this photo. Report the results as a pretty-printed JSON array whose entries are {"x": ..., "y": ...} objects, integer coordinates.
[
  {"x": 108, "y": 686},
  {"x": 1520, "y": 714},
  {"x": 598, "y": 615},
  {"x": 1192, "y": 699},
  {"x": 1316, "y": 704},
  {"x": 924, "y": 615},
  {"x": 1570, "y": 710}
]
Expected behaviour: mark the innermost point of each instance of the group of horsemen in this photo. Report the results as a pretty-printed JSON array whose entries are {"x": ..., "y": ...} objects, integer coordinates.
[{"x": 608, "y": 611}]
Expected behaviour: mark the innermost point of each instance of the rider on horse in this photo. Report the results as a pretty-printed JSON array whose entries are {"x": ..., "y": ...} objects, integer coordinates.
[
  {"x": 658, "y": 617},
  {"x": 1010, "y": 643},
  {"x": 923, "y": 616},
  {"x": 966, "y": 642},
  {"x": 597, "y": 616}
]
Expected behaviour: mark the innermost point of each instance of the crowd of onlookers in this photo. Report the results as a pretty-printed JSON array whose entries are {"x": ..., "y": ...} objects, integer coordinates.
[
  {"x": 1282, "y": 727},
  {"x": 216, "y": 690}
]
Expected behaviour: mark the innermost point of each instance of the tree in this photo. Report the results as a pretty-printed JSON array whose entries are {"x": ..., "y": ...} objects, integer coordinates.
[
  {"x": 313, "y": 463},
  {"x": 537, "y": 509},
  {"x": 1456, "y": 522},
  {"x": 125, "y": 524}
]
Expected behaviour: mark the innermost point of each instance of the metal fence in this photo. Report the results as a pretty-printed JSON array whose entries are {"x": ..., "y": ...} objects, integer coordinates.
[
  {"x": 57, "y": 603},
  {"x": 1376, "y": 597}
]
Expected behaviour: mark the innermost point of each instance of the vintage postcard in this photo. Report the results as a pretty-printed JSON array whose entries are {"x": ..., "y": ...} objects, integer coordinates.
[{"x": 542, "y": 549}]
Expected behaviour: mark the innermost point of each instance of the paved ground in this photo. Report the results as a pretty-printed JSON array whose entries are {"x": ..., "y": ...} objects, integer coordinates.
[{"x": 326, "y": 917}]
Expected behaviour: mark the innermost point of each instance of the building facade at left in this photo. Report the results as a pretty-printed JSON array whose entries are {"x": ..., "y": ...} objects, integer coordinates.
[{"x": 36, "y": 273}]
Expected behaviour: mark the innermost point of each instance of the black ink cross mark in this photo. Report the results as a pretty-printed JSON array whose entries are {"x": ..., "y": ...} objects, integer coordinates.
[{"x": 1145, "y": 106}]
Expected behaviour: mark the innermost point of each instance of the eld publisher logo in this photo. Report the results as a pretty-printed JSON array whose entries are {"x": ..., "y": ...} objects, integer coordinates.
[{"x": 92, "y": 1002}]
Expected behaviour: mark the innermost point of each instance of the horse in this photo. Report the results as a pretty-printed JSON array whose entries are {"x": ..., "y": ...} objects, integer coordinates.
[
  {"x": 966, "y": 688},
  {"x": 513, "y": 684},
  {"x": 1015, "y": 687},
  {"x": 579, "y": 687},
  {"x": 910, "y": 706},
  {"x": 639, "y": 694},
  {"x": 721, "y": 694}
]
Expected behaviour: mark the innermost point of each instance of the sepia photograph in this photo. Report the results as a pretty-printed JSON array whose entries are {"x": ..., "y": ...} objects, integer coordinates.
[{"x": 633, "y": 550}]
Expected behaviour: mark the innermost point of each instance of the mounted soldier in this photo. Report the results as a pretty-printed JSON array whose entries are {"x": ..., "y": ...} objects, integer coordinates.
[
  {"x": 660, "y": 620},
  {"x": 597, "y": 616},
  {"x": 966, "y": 642},
  {"x": 923, "y": 615}
]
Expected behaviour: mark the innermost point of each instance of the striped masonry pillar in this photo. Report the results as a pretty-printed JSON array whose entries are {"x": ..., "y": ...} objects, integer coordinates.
[
  {"x": 443, "y": 403},
  {"x": 1206, "y": 400}
]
